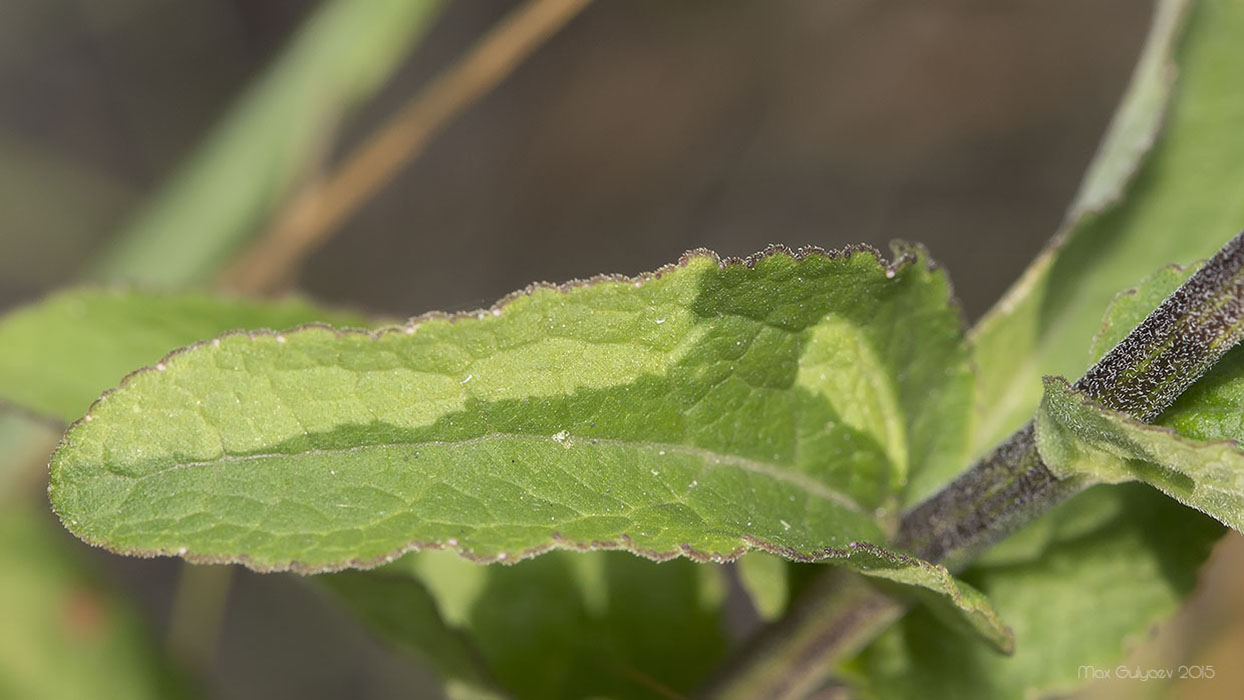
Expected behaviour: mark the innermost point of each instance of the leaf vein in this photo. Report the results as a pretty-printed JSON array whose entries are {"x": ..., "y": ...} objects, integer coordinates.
[{"x": 777, "y": 472}]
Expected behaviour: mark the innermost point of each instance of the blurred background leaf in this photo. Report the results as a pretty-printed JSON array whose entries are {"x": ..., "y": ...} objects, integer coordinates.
[
  {"x": 270, "y": 139},
  {"x": 563, "y": 625},
  {"x": 58, "y": 356}
]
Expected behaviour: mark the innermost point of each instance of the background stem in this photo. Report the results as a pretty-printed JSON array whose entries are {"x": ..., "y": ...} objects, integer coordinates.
[
  {"x": 839, "y": 613},
  {"x": 313, "y": 215},
  {"x": 194, "y": 621}
]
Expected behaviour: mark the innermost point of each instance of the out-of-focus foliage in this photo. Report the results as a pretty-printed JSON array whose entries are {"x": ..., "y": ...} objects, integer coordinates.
[
  {"x": 64, "y": 634},
  {"x": 58, "y": 356},
  {"x": 270, "y": 140}
]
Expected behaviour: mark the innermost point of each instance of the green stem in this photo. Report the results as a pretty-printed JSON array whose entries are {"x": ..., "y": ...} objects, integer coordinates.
[
  {"x": 194, "y": 622},
  {"x": 1007, "y": 489},
  {"x": 837, "y": 616}
]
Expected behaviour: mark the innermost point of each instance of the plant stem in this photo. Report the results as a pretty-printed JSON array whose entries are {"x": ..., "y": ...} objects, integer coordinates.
[
  {"x": 1176, "y": 343},
  {"x": 198, "y": 608},
  {"x": 271, "y": 137},
  {"x": 839, "y": 613},
  {"x": 1007, "y": 489}
]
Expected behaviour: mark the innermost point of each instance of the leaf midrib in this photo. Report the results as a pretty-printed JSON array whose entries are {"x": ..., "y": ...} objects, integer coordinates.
[{"x": 768, "y": 469}]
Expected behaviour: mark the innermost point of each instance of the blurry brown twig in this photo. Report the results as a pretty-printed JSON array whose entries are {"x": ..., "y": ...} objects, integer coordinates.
[{"x": 324, "y": 203}]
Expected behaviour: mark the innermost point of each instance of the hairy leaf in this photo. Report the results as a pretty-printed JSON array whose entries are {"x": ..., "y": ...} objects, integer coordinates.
[
  {"x": 57, "y": 356},
  {"x": 687, "y": 412},
  {"x": 1078, "y": 437},
  {"x": 956, "y": 603}
]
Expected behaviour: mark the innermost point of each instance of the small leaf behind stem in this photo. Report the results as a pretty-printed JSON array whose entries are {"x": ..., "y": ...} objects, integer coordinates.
[{"x": 1192, "y": 453}]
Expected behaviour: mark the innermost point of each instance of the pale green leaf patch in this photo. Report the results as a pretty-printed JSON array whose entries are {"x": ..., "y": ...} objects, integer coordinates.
[{"x": 765, "y": 579}]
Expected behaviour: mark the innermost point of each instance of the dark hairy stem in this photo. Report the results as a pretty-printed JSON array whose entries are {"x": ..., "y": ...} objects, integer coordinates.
[
  {"x": 1177, "y": 343},
  {"x": 1008, "y": 488}
]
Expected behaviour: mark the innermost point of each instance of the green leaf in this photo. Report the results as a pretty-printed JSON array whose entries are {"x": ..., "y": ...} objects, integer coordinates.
[
  {"x": 64, "y": 634},
  {"x": 598, "y": 624},
  {"x": 683, "y": 413},
  {"x": 267, "y": 142},
  {"x": 1138, "y": 120},
  {"x": 57, "y": 356},
  {"x": 957, "y": 604},
  {"x": 1078, "y": 437},
  {"x": 687, "y": 412},
  {"x": 402, "y": 611}
]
